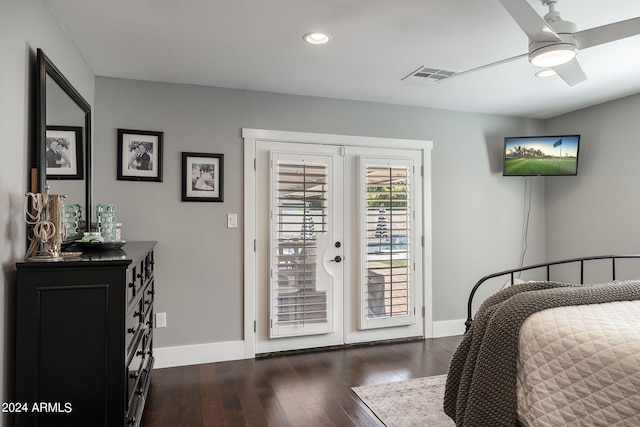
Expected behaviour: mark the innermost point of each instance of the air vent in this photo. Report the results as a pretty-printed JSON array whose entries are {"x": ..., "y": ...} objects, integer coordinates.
[{"x": 429, "y": 75}]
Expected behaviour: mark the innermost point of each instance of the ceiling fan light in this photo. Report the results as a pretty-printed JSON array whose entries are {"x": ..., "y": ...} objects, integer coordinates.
[
  {"x": 546, "y": 72},
  {"x": 553, "y": 55}
]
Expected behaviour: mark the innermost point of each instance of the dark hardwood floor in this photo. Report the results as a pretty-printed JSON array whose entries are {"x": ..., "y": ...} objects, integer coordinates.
[{"x": 308, "y": 389}]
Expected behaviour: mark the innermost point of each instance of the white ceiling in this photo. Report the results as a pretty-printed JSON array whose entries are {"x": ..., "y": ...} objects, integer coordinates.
[{"x": 257, "y": 45}]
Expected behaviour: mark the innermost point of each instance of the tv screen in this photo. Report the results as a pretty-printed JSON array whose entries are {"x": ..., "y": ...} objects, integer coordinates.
[{"x": 541, "y": 155}]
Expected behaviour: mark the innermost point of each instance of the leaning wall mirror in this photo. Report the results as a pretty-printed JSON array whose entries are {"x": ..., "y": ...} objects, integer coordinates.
[{"x": 63, "y": 136}]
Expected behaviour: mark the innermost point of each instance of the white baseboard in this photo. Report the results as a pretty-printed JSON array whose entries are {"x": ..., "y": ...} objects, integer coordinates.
[
  {"x": 448, "y": 328},
  {"x": 168, "y": 357}
]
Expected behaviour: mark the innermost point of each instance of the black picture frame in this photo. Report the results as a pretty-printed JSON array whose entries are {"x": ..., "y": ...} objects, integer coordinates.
[
  {"x": 202, "y": 177},
  {"x": 139, "y": 155},
  {"x": 63, "y": 152}
]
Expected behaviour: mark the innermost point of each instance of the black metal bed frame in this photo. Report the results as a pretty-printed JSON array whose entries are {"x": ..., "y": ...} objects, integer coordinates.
[{"x": 546, "y": 265}]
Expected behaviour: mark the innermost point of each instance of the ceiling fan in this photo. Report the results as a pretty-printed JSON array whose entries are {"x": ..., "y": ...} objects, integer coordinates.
[{"x": 554, "y": 42}]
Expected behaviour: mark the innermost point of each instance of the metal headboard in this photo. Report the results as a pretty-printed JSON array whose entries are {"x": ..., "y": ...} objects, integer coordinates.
[{"x": 547, "y": 265}]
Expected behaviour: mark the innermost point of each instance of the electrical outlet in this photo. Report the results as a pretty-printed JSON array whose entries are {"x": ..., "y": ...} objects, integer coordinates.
[{"x": 161, "y": 320}]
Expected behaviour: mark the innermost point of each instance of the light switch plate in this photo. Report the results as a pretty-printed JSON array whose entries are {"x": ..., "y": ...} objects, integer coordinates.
[{"x": 232, "y": 220}]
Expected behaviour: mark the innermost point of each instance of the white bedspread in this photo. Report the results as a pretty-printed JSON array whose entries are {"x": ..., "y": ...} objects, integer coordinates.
[{"x": 580, "y": 366}]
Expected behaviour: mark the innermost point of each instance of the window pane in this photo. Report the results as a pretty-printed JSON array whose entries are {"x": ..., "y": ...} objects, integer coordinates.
[
  {"x": 387, "y": 229},
  {"x": 300, "y": 215}
]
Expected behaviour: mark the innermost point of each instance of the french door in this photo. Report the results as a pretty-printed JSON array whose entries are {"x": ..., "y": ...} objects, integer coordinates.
[{"x": 339, "y": 245}]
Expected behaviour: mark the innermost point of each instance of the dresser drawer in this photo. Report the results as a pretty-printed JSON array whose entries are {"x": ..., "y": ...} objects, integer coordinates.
[
  {"x": 138, "y": 399},
  {"x": 133, "y": 324},
  {"x": 134, "y": 369},
  {"x": 145, "y": 375},
  {"x": 147, "y": 338},
  {"x": 147, "y": 298},
  {"x": 148, "y": 265},
  {"x": 135, "y": 281},
  {"x": 134, "y": 414}
]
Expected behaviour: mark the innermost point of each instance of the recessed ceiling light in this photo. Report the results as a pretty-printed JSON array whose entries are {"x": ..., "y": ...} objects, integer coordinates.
[
  {"x": 316, "y": 38},
  {"x": 547, "y": 72}
]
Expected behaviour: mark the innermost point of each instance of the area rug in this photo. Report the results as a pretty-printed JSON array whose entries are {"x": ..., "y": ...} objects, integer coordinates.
[{"x": 415, "y": 402}]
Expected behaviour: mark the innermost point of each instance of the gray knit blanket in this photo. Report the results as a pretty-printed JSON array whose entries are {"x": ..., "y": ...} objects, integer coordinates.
[{"x": 481, "y": 383}]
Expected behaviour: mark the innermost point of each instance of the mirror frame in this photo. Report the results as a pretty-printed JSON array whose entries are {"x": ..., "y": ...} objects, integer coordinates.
[{"x": 48, "y": 68}]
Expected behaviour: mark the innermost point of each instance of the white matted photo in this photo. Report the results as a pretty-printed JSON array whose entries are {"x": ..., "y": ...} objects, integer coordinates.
[
  {"x": 63, "y": 154},
  {"x": 139, "y": 155},
  {"x": 202, "y": 177}
]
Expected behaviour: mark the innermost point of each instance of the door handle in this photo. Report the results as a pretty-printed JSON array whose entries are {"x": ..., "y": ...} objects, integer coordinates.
[{"x": 338, "y": 258}]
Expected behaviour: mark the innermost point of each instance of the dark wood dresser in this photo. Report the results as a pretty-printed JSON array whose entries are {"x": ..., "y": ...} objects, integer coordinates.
[{"x": 84, "y": 338}]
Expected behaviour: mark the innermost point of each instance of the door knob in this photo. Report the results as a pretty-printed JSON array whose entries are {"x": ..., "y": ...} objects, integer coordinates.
[
  {"x": 338, "y": 244},
  {"x": 338, "y": 258}
]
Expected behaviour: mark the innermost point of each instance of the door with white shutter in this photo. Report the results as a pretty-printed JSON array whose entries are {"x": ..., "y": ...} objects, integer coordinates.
[
  {"x": 384, "y": 295},
  {"x": 339, "y": 248},
  {"x": 300, "y": 299}
]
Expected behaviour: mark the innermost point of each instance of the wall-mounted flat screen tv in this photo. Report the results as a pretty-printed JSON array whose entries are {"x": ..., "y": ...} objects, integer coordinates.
[{"x": 541, "y": 155}]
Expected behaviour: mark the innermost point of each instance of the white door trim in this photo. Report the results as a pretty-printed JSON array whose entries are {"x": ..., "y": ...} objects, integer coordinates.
[{"x": 250, "y": 138}]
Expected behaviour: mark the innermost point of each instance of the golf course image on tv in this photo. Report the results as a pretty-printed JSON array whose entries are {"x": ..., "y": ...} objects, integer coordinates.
[{"x": 541, "y": 155}]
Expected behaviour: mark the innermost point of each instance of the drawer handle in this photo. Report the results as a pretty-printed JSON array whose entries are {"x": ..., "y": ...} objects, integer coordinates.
[
  {"x": 147, "y": 302},
  {"x": 151, "y": 292},
  {"x": 131, "y": 421},
  {"x": 131, "y": 330},
  {"x": 137, "y": 314},
  {"x": 131, "y": 285},
  {"x": 140, "y": 353},
  {"x": 134, "y": 375},
  {"x": 139, "y": 276}
]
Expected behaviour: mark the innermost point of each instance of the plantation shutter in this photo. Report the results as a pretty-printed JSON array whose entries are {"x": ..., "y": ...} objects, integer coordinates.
[
  {"x": 387, "y": 237},
  {"x": 301, "y": 293}
]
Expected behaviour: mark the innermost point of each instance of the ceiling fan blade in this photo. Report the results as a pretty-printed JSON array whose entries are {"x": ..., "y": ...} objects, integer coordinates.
[
  {"x": 534, "y": 26},
  {"x": 571, "y": 72},
  {"x": 608, "y": 33},
  {"x": 482, "y": 67}
]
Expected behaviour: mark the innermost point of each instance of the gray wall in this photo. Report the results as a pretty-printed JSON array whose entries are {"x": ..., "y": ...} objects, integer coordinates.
[
  {"x": 597, "y": 211},
  {"x": 477, "y": 213},
  {"x": 24, "y": 27}
]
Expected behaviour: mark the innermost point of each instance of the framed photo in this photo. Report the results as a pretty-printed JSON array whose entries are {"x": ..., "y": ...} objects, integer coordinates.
[
  {"x": 202, "y": 177},
  {"x": 139, "y": 155},
  {"x": 64, "y": 152}
]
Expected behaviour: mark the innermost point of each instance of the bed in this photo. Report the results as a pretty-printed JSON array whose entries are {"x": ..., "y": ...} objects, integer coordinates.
[{"x": 550, "y": 353}]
